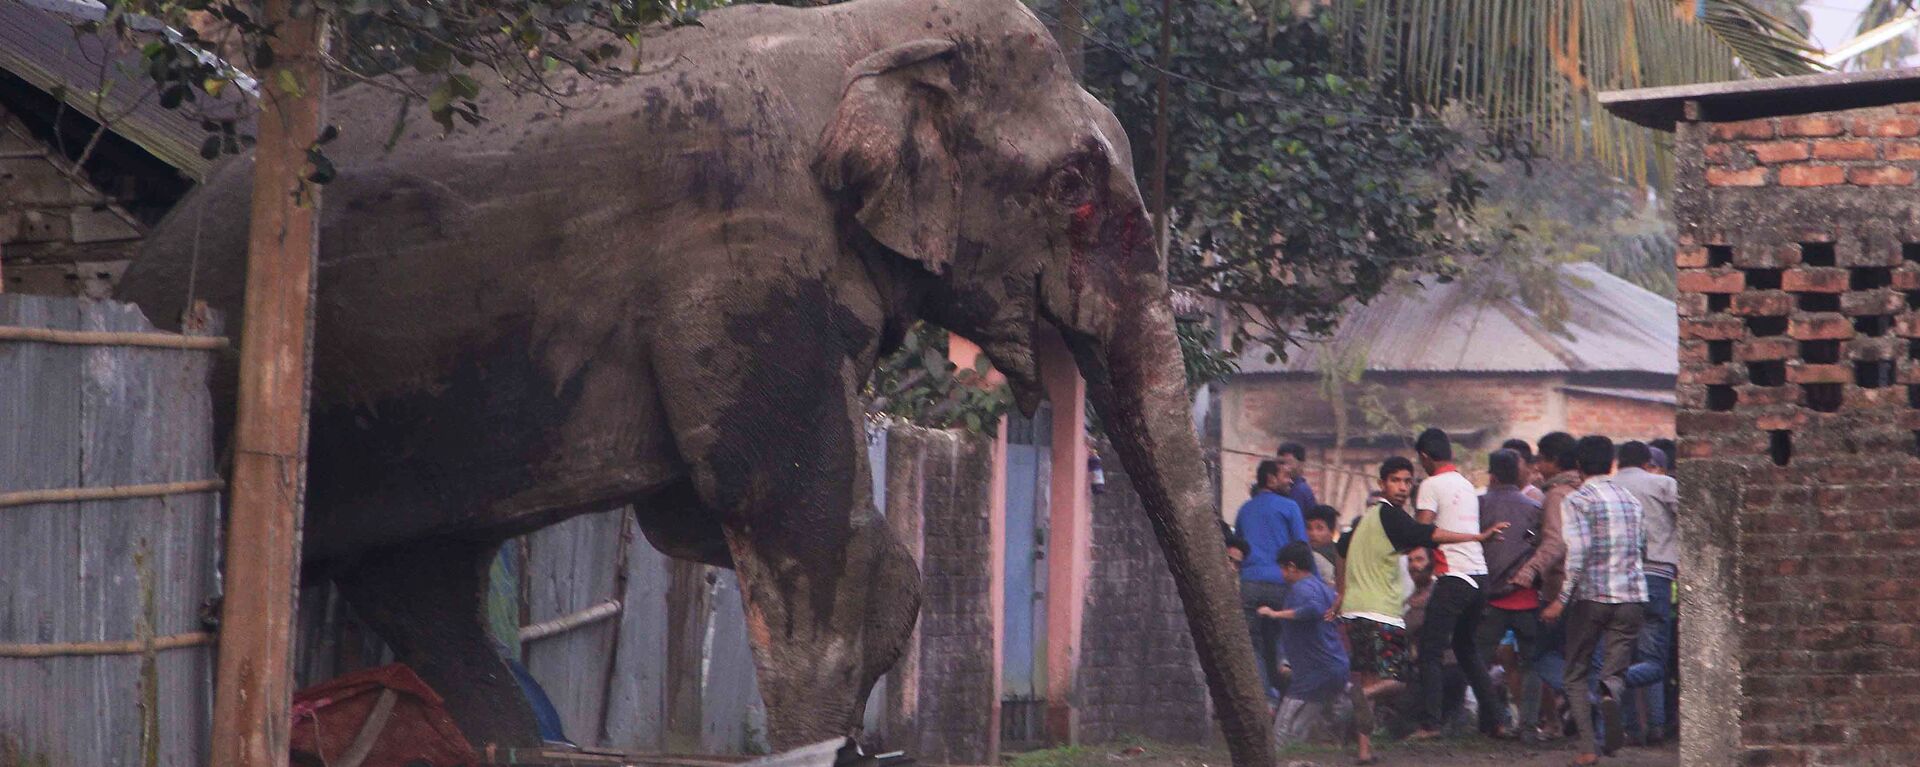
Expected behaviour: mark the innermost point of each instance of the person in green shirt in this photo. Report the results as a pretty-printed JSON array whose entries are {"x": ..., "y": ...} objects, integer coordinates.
[{"x": 1371, "y": 606}]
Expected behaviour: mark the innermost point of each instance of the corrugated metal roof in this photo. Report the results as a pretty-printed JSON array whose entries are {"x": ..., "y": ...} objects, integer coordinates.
[
  {"x": 1612, "y": 325},
  {"x": 39, "y": 44},
  {"x": 1656, "y": 396},
  {"x": 1660, "y": 108}
]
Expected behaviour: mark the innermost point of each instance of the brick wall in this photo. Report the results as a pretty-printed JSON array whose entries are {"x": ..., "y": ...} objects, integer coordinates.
[
  {"x": 943, "y": 696},
  {"x": 1800, "y": 271},
  {"x": 1617, "y": 417},
  {"x": 1138, "y": 674}
]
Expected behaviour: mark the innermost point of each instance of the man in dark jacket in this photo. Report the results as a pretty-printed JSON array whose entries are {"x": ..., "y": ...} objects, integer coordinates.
[{"x": 1511, "y": 607}]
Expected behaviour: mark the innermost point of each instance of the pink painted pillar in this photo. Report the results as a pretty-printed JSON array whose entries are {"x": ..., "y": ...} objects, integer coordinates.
[
  {"x": 1070, "y": 531},
  {"x": 965, "y": 354}
]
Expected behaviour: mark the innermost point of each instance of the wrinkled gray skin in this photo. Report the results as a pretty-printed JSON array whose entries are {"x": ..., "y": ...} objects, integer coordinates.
[{"x": 670, "y": 294}]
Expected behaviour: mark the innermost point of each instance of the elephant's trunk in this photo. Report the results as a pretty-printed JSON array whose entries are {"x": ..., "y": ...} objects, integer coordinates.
[{"x": 1137, "y": 383}]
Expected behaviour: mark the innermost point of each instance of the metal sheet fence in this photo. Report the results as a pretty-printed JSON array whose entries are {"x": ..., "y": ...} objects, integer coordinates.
[{"x": 102, "y": 656}]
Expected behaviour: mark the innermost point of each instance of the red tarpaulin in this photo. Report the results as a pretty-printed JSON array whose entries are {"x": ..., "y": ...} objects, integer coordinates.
[{"x": 403, "y": 721}]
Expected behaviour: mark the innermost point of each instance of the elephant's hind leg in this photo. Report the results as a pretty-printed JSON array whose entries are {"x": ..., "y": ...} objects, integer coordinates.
[{"x": 427, "y": 600}]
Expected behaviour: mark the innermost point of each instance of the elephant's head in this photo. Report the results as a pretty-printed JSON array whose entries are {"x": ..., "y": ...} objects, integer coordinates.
[{"x": 968, "y": 147}]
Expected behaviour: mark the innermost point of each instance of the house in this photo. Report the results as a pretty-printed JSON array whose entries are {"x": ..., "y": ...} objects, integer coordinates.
[
  {"x": 1484, "y": 369},
  {"x": 1799, "y": 421},
  {"x": 72, "y": 208}
]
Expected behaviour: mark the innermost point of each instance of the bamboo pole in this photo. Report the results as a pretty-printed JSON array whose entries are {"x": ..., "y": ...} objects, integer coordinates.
[
  {"x": 111, "y": 338},
  {"x": 122, "y": 647},
  {"x": 254, "y": 681},
  {"x": 570, "y": 621},
  {"x": 116, "y": 492}
]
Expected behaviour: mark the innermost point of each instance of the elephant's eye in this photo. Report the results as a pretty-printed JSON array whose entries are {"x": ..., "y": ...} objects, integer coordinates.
[{"x": 1069, "y": 187}]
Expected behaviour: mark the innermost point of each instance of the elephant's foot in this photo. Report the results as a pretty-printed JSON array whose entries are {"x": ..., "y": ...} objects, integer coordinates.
[
  {"x": 427, "y": 600},
  {"x": 821, "y": 639}
]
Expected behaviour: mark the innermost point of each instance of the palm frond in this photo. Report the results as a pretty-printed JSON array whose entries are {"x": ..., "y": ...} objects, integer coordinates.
[
  {"x": 1893, "y": 52},
  {"x": 1531, "y": 68},
  {"x": 1767, "y": 45}
]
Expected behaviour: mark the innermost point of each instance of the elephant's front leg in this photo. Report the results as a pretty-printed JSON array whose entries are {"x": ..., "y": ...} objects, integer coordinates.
[{"x": 777, "y": 449}]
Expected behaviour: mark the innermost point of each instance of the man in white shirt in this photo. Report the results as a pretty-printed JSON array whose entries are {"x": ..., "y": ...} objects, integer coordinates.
[{"x": 1449, "y": 501}]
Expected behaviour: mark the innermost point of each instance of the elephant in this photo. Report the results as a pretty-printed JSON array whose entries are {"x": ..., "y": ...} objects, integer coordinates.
[{"x": 667, "y": 290}]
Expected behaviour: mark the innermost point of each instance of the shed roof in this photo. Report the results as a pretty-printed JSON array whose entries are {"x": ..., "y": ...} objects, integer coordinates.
[
  {"x": 1612, "y": 326},
  {"x": 1732, "y": 100},
  {"x": 39, "y": 44}
]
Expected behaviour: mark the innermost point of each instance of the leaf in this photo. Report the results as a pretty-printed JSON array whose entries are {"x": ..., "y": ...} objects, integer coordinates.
[{"x": 290, "y": 83}]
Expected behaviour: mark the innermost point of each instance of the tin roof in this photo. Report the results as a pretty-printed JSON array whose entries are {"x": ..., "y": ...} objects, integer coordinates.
[
  {"x": 1661, "y": 108},
  {"x": 1612, "y": 326},
  {"x": 39, "y": 43}
]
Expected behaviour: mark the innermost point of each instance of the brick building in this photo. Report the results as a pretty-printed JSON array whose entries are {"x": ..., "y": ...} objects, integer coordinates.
[
  {"x": 1484, "y": 370},
  {"x": 1799, "y": 398}
]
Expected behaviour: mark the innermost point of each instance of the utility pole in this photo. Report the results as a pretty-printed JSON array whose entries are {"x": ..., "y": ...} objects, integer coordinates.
[{"x": 254, "y": 681}]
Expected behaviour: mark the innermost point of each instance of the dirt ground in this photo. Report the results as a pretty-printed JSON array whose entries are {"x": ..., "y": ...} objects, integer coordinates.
[{"x": 1466, "y": 752}]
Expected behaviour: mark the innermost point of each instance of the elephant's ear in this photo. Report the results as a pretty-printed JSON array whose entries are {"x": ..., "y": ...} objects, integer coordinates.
[{"x": 884, "y": 151}]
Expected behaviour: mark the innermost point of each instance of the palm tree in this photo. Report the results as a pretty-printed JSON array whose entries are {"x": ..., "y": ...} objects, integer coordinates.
[{"x": 1530, "y": 69}]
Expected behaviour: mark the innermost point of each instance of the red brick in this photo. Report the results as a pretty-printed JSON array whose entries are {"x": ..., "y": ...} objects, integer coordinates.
[
  {"x": 1716, "y": 329},
  {"x": 1906, "y": 326},
  {"x": 1748, "y": 129},
  {"x": 1880, "y": 176},
  {"x": 1808, "y": 175},
  {"x": 1761, "y": 349},
  {"x": 1761, "y": 303},
  {"x": 1810, "y": 126},
  {"x": 1906, "y": 280},
  {"x": 1690, "y": 257},
  {"x": 1886, "y": 127},
  {"x": 1903, "y": 150},
  {"x": 1805, "y": 374},
  {"x": 1778, "y": 421},
  {"x": 1813, "y": 279},
  {"x": 1907, "y": 109},
  {"x": 1779, "y": 151},
  {"x": 1763, "y": 396},
  {"x": 1720, "y": 154},
  {"x": 1709, "y": 375},
  {"x": 1844, "y": 150},
  {"x": 1748, "y": 177},
  {"x": 1872, "y": 303},
  {"x": 1691, "y": 304},
  {"x": 1717, "y": 281},
  {"x": 1820, "y": 327}
]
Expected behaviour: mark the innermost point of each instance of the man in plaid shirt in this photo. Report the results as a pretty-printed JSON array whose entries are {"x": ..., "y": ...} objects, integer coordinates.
[{"x": 1605, "y": 594}]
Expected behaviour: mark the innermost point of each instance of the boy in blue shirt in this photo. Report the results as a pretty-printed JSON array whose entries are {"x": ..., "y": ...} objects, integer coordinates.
[
  {"x": 1320, "y": 669},
  {"x": 1267, "y": 522}
]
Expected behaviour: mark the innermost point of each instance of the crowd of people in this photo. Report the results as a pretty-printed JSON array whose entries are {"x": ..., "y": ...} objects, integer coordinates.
[{"x": 1547, "y": 597}]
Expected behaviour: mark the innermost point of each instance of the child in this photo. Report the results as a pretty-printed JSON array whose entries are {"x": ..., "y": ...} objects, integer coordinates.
[{"x": 1313, "y": 648}]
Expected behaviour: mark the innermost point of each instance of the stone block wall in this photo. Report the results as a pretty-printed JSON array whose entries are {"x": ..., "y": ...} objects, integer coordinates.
[
  {"x": 944, "y": 696},
  {"x": 1138, "y": 674},
  {"x": 1799, "y": 426}
]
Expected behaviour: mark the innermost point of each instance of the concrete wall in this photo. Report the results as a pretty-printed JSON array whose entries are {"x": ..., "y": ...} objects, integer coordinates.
[
  {"x": 1800, "y": 270},
  {"x": 1138, "y": 674}
]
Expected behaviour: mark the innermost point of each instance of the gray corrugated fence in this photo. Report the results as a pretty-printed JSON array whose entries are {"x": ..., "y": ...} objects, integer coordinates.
[{"x": 79, "y": 575}]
